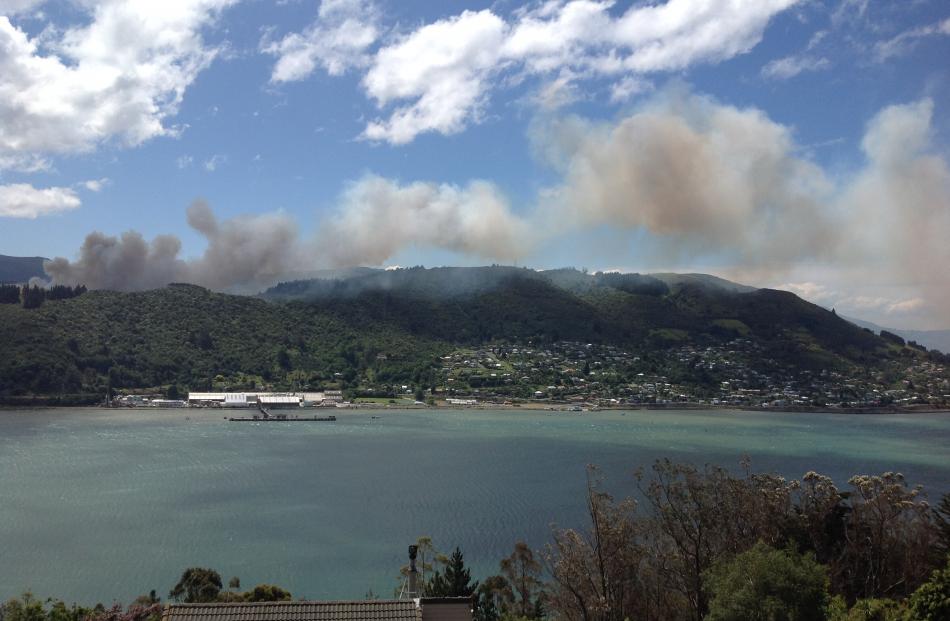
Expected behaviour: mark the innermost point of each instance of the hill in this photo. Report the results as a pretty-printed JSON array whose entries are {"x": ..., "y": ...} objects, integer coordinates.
[
  {"x": 371, "y": 330},
  {"x": 18, "y": 270},
  {"x": 931, "y": 339}
]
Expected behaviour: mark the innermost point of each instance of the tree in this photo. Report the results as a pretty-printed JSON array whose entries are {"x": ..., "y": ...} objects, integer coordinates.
[
  {"x": 889, "y": 538},
  {"x": 197, "y": 585},
  {"x": 598, "y": 574},
  {"x": 9, "y": 294},
  {"x": 267, "y": 593},
  {"x": 942, "y": 520},
  {"x": 701, "y": 515},
  {"x": 455, "y": 580},
  {"x": 522, "y": 572},
  {"x": 765, "y": 584},
  {"x": 931, "y": 602}
]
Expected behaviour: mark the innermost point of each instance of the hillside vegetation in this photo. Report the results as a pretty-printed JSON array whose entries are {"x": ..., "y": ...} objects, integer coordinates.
[{"x": 391, "y": 326}]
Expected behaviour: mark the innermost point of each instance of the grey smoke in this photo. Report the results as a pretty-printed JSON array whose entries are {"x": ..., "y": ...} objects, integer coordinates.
[
  {"x": 379, "y": 217},
  {"x": 242, "y": 254},
  {"x": 707, "y": 178},
  {"x": 703, "y": 178}
]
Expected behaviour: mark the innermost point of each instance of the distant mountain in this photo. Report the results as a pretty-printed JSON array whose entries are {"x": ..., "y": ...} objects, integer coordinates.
[
  {"x": 20, "y": 269},
  {"x": 931, "y": 339}
]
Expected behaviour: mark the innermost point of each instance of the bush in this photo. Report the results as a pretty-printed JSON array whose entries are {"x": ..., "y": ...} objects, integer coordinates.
[
  {"x": 931, "y": 602},
  {"x": 769, "y": 585}
]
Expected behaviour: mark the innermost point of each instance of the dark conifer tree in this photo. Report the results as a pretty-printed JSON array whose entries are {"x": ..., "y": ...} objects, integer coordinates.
[{"x": 454, "y": 581}]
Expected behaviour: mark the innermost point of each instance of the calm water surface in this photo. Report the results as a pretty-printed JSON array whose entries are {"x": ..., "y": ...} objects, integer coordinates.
[{"x": 97, "y": 505}]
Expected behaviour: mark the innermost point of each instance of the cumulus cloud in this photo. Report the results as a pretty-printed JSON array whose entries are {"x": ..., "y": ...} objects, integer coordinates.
[
  {"x": 444, "y": 67},
  {"x": 120, "y": 76},
  {"x": 22, "y": 200},
  {"x": 95, "y": 185},
  {"x": 336, "y": 41},
  {"x": 791, "y": 66},
  {"x": 13, "y": 7},
  {"x": 439, "y": 77}
]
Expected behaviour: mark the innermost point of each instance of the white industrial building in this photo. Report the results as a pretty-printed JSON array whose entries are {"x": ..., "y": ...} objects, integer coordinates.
[{"x": 264, "y": 399}]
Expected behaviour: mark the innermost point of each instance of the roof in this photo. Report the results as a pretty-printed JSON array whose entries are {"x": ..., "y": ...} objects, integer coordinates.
[{"x": 361, "y": 610}]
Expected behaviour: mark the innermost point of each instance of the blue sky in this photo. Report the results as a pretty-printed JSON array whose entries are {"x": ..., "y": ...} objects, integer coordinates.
[{"x": 763, "y": 140}]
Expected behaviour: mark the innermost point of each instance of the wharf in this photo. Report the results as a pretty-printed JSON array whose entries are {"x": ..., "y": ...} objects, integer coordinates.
[{"x": 280, "y": 419}]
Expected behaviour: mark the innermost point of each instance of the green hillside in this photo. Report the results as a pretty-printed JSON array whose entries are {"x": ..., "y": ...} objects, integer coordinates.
[{"x": 347, "y": 333}]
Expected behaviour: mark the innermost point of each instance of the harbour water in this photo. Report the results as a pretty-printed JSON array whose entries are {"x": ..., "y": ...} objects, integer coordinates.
[{"x": 102, "y": 505}]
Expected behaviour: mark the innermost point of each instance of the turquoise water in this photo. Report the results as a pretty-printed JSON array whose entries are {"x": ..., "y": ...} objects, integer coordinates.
[{"x": 97, "y": 505}]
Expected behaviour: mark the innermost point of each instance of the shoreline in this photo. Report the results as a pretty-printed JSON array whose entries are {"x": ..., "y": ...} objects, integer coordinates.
[{"x": 533, "y": 407}]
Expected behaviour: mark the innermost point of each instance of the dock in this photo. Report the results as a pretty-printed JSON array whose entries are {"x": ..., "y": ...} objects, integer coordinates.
[{"x": 280, "y": 419}]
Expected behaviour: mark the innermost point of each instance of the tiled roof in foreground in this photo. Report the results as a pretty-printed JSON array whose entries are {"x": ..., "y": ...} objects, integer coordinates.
[{"x": 365, "y": 610}]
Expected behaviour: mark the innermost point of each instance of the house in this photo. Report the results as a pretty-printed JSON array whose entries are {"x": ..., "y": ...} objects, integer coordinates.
[{"x": 420, "y": 609}]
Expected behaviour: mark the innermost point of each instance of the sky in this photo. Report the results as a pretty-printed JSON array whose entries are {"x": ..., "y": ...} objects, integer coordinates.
[{"x": 800, "y": 145}]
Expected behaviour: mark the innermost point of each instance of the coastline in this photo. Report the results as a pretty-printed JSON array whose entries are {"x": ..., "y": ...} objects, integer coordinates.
[{"x": 530, "y": 406}]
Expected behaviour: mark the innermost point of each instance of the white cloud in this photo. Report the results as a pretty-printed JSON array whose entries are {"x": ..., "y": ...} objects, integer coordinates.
[
  {"x": 791, "y": 66},
  {"x": 628, "y": 87},
  {"x": 184, "y": 161},
  {"x": 212, "y": 163},
  {"x": 446, "y": 80},
  {"x": 904, "y": 42},
  {"x": 21, "y": 200},
  {"x": 13, "y": 7},
  {"x": 120, "y": 76},
  {"x": 444, "y": 67},
  {"x": 95, "y": 185},
  {"x": 336, "y": 41},
  {"x": 439, "y": 77},
  {"x": 849, "y": 301}
]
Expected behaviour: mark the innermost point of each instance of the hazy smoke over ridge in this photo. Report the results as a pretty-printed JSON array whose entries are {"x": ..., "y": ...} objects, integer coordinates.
[
  {"x": 378, "y": 217},
  {"x": 706, "y": 177},
  {"x": 703, "y": 178},
  {"x": 243, "y": 253}
]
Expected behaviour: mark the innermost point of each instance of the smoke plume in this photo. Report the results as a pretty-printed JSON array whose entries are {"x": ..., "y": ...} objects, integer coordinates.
[
  {"x": 699, "y": 178},
  {"x": 707, "y": 178},
  {"x": 242, "y": 254},
  {"x": 378, "y": 217}
]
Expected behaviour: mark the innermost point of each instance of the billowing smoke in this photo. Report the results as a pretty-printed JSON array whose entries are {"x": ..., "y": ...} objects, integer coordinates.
[
  {"x": 701, "y": 179},
  {"x": 244, "y": 253},
  {"x": 378, "y": 217},
  {"x": 707, "y": 178},
  {"x": 899, "y": 207}
]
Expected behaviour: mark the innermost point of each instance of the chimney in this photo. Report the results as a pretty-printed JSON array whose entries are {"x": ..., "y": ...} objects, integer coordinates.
[{"x": 413, "y": 573}]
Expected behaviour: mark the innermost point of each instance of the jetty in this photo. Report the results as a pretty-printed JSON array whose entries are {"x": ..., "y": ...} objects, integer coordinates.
[
  {"x": 280, "y": 419},
  {"x": 266, "y": 417}
]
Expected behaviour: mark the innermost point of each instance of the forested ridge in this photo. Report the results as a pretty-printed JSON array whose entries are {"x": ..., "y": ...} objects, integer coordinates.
[{"x": 343, "y": 332}]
